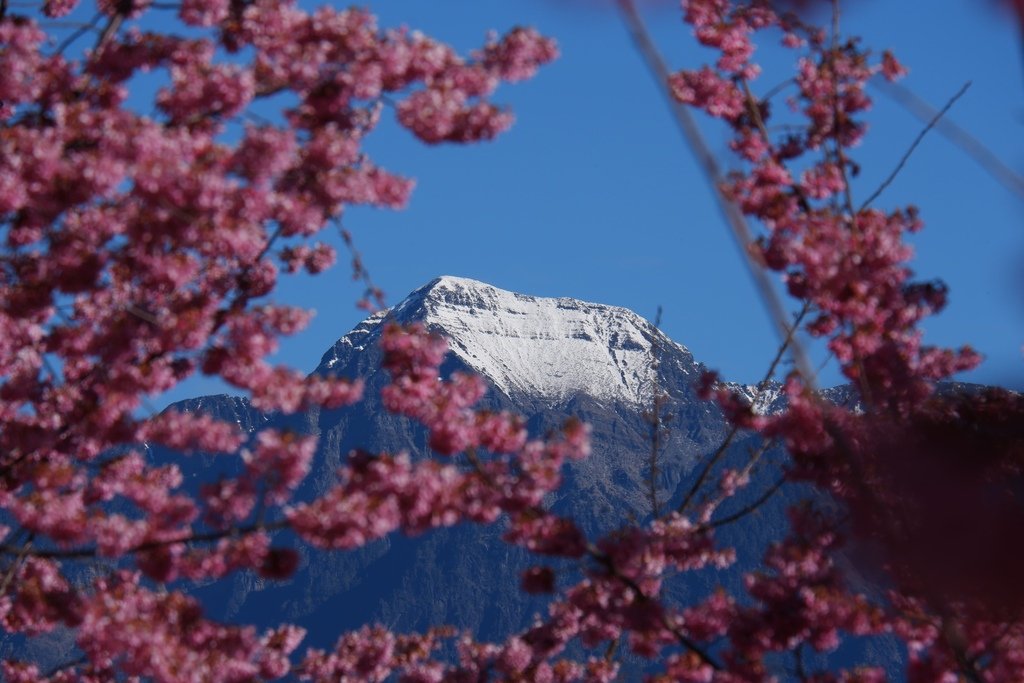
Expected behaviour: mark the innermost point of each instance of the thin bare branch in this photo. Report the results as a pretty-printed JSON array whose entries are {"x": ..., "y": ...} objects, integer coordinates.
[
  {"x": 109, "y": 31},
  {"x": 373, "y": 295},
  {"x": 954, "y": 638},
  {"x": 720, "y": 451},
  {"x": 798, "y": 656},
  {"x": 840, "y": 155},
  {"x": 917, "y": 141},
  {"x": 609, "y": 653},
  {"x": 91, "y": 25},
  {"x": 755, "y": 457},
  {"x": 65, "y": 667},
  {"x": 751, "y": 507},
  {"x": 974, "y": 148}
]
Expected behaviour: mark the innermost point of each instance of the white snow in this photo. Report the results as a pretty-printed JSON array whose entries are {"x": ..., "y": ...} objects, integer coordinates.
[
  {"x": 761, "y": 400},
  {"x": 554, "y": 348}
]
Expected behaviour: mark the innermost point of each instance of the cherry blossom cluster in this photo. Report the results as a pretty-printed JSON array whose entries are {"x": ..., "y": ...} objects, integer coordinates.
[
  {"x": 141, "y": 242},
  {"x": 378, "y": 494},
  {"x": 140, "y": 249},
  {"x": 849, "y": 262},
  {"x": 914, "y": 471}
]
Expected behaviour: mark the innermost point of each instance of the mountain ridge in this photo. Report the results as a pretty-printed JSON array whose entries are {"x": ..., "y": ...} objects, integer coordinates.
[
  {"x": 543, "y": 346},
  {"x": 465, "y": 575}
]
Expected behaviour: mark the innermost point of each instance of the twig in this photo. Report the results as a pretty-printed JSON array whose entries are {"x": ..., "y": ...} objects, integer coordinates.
[
  {"x": 92, "y": 25},
  {"x": 720, "y": 451},
  {"x": 142, "y": 314},
  {"x": 772, "y": 92},
  {"x": 917, "y": 141},
  {"x": 108, "y": 31},
  {"x": 945, "y": 127},
  {"x": 801, "y": 670},
  {"x": 609, "y": 653},
  {"x": 747, "y": 509},
  {"x": 955, "y": 641},
  {"x": 67, "y": 665},
  {"x": 755, "y": 457},
  {"x": 359, "y": 271}
]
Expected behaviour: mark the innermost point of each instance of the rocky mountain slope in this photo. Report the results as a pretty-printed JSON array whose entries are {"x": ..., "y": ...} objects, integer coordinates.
[{"x": 547, "y": 359}]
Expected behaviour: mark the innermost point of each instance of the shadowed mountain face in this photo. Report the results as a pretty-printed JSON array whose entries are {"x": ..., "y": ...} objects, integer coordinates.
[{"x": 547, "y": 359}]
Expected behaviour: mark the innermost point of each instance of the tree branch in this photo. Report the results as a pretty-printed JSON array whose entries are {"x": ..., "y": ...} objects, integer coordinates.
[
  {"x": 945, "y": 127},
  {"x": 917, "y": 141},
  {"x": 747, "y": 509},
  {"x": 720, "y": 451}
]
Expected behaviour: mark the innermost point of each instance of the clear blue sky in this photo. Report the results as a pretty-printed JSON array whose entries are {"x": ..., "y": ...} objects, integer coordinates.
[{"x": 593, "y": 194}]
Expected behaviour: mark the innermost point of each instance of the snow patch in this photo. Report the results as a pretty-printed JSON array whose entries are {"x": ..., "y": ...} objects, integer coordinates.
[{"x": 549, "y": 347}]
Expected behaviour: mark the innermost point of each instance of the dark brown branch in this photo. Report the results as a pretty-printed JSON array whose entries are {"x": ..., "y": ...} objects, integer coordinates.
[
  {"x": 109, "y": 31},
  {"x": 359, "y": 270},
  {"x": 955, "y": 641},
  {"x": 798, "y": 656},
  {"x": 708, "y": 466},
  {"x": 755, "y": 457},
  {"x": 841, "y": 160},
  {"x": 747, "y": 509},
  {"x": 609, "y": 653},
  {"x": 917, "y": 141},
  {"x": 65, "y": 666}
]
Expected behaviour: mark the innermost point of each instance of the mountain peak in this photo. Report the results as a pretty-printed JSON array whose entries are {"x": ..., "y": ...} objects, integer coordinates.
[
  {"x": 454, "y": 282},
  {"x": 548, "y": 348}
]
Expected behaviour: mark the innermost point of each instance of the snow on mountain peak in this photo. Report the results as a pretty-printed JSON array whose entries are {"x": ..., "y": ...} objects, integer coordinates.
[{"x": 553, "y": 348}]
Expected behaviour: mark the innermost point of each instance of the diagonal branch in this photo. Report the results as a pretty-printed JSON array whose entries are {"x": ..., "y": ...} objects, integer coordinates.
[
  {"x": 720, "y": 451},
  {"x": 945, "y": 127},
  {"x": 747, "y": 509},
  {"x": 917, "y": 141}
]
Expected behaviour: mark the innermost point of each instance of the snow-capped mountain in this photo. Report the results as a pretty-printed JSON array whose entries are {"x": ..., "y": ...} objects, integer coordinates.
[
  {"x": 547, "y": 359},
  {"x": 532, "y": 346}
]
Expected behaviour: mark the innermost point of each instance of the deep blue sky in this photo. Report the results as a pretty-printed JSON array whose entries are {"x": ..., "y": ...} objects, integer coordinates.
[{"x": 593, "y": 194}]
